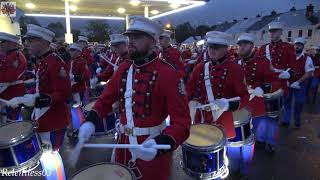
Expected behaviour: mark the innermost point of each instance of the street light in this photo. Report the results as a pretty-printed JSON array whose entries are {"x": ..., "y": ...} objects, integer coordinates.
[
  {"x": 121, "y": 10},
  {"x": 30, "y": 5},
  {"x": 168, "y": 26}
]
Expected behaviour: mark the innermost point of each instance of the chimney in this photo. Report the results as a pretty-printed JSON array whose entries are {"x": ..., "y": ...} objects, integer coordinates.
[
  {"x": 293, "y": 9},
  {"x": 309, "y": 11}
]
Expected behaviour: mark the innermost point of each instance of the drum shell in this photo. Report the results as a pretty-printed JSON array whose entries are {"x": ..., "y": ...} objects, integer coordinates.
[
  {"x": 21, "y": 154},
  {"x": 274, "y": 103},
  {"x": 204, "y": 162}
]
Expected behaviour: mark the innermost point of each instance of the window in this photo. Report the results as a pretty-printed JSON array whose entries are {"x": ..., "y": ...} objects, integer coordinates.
[
  {"x": 289, "y": 34},
  {"x": 310, "y": 33},
  {"x": 300, "y": 33}
]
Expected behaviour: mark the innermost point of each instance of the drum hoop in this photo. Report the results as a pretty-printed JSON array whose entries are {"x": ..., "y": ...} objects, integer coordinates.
[
  {"x": 101, "y": 163},
  {"x": 20, "y": 138},
  {"x": 214, "y": 147},
  {"x": 32, "y": 161},
  {"x": 242, "y": 123},
  {"x": 212, "y": 175},
  {"x": 247, "y": 141},
  {"x": 277, "y": 93}
]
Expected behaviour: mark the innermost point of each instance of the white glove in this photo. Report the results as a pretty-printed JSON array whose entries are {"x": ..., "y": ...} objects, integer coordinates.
[
  {"x": 28, "y": 99},
  {"x": 71, "y": 77},
  {"x": 14, "y": 102},
  {"x": 295, "y": 85},
  {"x": 86, "y": 130},
  {"x": 257, "y": 92},
  {"x": 98, "y": 70},
  {"x": 284, "y": 74},
  {"x": 147, "y": 152},
  {"x": 223, "y": 104}
]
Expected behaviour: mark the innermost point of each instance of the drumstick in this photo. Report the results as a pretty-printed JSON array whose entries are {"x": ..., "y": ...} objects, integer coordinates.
[
  {"x": 124, "y": 146},
  {"x": 212, "y": 104},
  {"x": 100, "y": 55},
  {"x": 3, "y": 101}
]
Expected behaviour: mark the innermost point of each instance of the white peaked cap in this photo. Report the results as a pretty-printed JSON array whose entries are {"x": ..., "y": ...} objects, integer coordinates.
[
  {"x": 220, "y": 38},
  {"x": 83, "y": 38},
  {"x": 275, "y": 25},
  {"x": 246, "y": 37},
  {"x": 118, "y": 38},
  {"x": 75, "y": 46},
  {"x": 300, "y": 40},
  {"x": 10, "y": 37},
  {"x": 40, "y": 32},
  {"x": 142, "y": 24},
  {"x": 166, "y": 33}
]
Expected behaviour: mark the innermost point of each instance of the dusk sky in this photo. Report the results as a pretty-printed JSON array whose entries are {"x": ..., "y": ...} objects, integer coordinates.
[{"x": 216, "y": 11}]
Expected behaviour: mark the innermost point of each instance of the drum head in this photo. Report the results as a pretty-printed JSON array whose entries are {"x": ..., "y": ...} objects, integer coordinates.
[
  {"x": 106, "y": 171},
  {"x": 242, "y": 116},
  {"x": 15, "y": 132},
  {"x": 204, "y": 135},
  {"x": 89, "y": 106}
]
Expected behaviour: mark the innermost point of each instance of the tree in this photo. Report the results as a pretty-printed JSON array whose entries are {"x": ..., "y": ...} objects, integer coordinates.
[
  {"x": 24, "y": 20},
  {"x": 57, "y": 28},
  {"x": 183, "y": 31},
  {"x": 202, "y": 30},
  {"x": 98, "y": 30},
  {"x": 75, "y": 33}
]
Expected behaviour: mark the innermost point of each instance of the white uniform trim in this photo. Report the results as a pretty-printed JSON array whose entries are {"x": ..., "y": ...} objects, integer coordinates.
[{"x": 268, "y": 54}]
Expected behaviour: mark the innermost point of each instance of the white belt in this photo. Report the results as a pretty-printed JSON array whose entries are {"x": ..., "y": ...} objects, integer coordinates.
[{"x": 136, "y": 131}]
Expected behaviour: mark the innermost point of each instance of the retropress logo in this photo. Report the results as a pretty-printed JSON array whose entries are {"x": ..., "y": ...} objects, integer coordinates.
[
  {"x": 8, "y": 9},
  {"x": 43, "y": 173}
]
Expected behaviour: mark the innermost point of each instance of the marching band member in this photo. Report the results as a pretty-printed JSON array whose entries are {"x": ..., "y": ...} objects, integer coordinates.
[
  {"x": 280, "y": 54},
  {"x": 141, "y": 87},
  {"x": 260, "y": 79},
  {"x": 86, "y": 52},
  {"x": 119, "y": 45},
  {"x": 53, "y": 87},
  {"x": 216, "y": 80},
  {"x": 12, "y": 68},
  {"x": 316, "y": 76},
  {"x": 303, "y": 68},
  {"x": 79, "y": 73},
  {"x": 169, "y": 53}
]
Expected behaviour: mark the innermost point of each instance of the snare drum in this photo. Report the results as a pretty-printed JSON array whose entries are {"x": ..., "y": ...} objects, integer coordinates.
[
  {"x": 106, "y": 171},
  {"x": 242, "y": 120},
  {"x": 204, "y": 154},
  {"x": 20, "y": 147},
  {"x": 107, "y": 125},
  {"x": 274, "y": 103}
]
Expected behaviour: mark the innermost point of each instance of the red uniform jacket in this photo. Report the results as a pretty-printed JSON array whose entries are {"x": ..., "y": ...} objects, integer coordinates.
[
  {"x": 257, "y": 72},
  {"x": 282, "y": 55},
  {"x": 104, "y": 64},
  {"x": 316, "y": 63},
  {"x": 153, "y": 101},
  {"x": 54, "y": 81},
  {"x": 228, "y": 81},
  {"x": 172, "y": 56},
  {"x": 86, "y": 53},
  {"x": 298, "y": 68},
  {"x": 79, "y": 67},
  {"x": 109, "y": 71},
  {"x": 12, "y": 68},
  {"x": 186, "y": 54}
]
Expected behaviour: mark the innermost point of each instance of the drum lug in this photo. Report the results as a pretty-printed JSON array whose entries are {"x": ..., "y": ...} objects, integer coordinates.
[{"x": 132, "y": 166}]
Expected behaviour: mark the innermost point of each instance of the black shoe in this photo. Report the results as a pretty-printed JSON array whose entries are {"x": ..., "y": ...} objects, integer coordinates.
[
  {"x": 244, "y": 177},
  {"x": 283, "y": 124},
  {"x": 259, "y": 144},
  {"x": 270, "y": 148}
]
